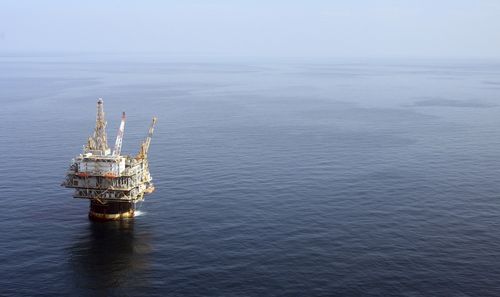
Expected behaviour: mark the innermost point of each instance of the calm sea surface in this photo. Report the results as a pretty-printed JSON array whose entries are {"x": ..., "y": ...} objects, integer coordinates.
[{"x": 323, "y": 178}]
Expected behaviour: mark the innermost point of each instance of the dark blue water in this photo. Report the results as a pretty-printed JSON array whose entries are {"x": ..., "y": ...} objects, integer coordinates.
[{"x": 322, "y": 178}]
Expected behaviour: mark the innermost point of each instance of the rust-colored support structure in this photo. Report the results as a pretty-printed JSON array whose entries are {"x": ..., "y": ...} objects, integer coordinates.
[{"x": 111, "y": 210}]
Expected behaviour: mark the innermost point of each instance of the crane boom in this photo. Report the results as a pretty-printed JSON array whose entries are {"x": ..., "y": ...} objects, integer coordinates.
[
  {"x": 119, "y": 137},
  {"x": 143, "y": 153}
]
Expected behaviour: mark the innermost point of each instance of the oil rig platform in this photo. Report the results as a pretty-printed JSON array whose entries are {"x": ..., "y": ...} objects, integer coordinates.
[{"x": 113, "y": 183}]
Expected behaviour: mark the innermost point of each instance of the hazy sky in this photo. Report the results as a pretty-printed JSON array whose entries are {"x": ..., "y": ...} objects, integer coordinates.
[{"x": 289, "y": 28}]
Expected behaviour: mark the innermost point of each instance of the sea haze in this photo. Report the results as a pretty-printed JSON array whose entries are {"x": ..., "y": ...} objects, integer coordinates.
[{"x": 319, "y": 178}]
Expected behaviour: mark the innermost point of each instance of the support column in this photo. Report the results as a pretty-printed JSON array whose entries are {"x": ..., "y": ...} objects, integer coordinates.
[{"x": 111, "y": 210}]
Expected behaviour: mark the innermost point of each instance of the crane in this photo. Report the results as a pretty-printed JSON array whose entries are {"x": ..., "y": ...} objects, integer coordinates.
[
  {"x": 143, "y": 152},
  {"x": 119, "y": 137}
]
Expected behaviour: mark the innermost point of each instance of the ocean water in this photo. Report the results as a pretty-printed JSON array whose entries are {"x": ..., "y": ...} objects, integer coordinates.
[{"x": 289, "y": 178}]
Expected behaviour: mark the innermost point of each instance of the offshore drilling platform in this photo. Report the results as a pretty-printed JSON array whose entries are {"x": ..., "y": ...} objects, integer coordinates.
[{"x": 112, "y": 182}]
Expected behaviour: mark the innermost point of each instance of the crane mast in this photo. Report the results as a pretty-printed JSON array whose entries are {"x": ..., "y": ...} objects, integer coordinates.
[
  {"x": 143, "y": 153},
  {"x": 119, "y": 137}
]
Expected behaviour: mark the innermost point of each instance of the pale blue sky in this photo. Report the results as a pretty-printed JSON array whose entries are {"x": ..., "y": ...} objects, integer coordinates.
[{"x": 271, "y": 28}]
